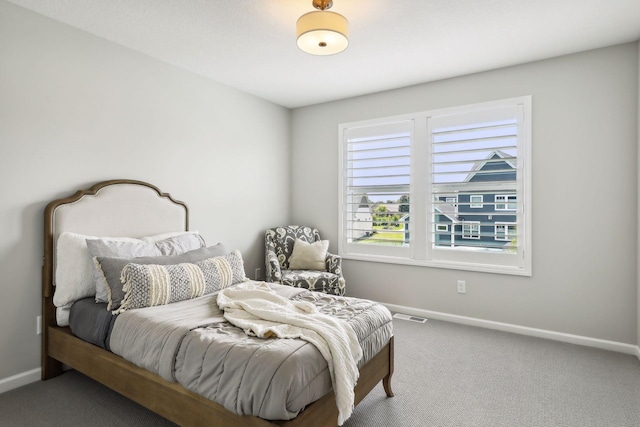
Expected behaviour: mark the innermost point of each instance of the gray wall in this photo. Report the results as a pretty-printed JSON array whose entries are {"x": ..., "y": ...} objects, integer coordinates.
[
  {"x": 585, "y": 114},
  {"x": 75, "y": 110}
]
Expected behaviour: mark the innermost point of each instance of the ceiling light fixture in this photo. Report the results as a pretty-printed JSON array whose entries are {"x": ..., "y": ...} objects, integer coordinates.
[{"x": 322, "y": 32}]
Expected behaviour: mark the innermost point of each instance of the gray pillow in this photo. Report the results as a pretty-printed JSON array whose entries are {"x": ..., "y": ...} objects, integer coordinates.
[
  {"x": 176, "y": 245},
  {"x": 110, "y": 248},
  {"x": 110, "y": 268}
]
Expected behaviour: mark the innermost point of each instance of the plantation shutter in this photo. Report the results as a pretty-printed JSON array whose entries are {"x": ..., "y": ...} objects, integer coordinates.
[
  {"x": 376, "y": 212},
  {"x": 475, "y": 160},
  {"x": 447, "y": 188}
]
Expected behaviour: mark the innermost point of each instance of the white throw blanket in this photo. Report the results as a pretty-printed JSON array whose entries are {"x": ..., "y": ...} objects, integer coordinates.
[{"x": 256, "y": 308}]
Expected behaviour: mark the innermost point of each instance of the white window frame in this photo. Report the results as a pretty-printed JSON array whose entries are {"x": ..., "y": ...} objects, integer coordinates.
[
  {"x": 506, "y": 202},
  {"x": 422, "y": 251},
  {"x": 365, "y": 131},
  {"x": 507, "y": 236},
  {"x": 471, "y": 230},
  {"x": 442, "y": 227},
  {"x": 476, "y": 204}
]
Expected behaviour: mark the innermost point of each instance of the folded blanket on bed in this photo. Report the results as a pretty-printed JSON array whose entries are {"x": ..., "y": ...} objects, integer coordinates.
[{"x": 257, "y": 309}]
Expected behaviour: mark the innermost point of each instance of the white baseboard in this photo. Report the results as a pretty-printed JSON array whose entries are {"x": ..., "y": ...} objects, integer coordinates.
[
  {"x": 19, "y": 380},
  {"x": 522, "y": 330}
]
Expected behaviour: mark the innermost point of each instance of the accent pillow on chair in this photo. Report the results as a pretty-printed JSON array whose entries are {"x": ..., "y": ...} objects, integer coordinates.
[
  {"x": 294, "y": 257},
  {"x": 309, "y": 256}
]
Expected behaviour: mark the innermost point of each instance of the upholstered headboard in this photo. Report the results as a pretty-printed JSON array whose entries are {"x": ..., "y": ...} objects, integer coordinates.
[
  {"x": 114, "y": 208},
  {"x": 111, "y": 208},
  {"x": 122, "y": 208}
]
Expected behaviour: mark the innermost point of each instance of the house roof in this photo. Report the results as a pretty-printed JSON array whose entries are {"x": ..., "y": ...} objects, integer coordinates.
[
  {"x": 449, "y": 210},
  {"x": 364, "y": 203},
  {"x": 480, "y": 165}
]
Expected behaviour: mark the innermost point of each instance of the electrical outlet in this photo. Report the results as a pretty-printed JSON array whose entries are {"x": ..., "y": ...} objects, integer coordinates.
[
  {"x": 462, "y": 287},
  {"x": 258, "y": 273},
  {"x": 38, "y": 325}
]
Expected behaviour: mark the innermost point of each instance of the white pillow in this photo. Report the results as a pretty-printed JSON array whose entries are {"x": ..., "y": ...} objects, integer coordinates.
[
  {"x": 62, "y": 315},
  {"x": 309, "y": 256},
  {"x": 74, "y": 268}
]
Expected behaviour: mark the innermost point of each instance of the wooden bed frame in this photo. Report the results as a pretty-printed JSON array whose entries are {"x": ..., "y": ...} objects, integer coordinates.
[{"x": 170, "y": 400}]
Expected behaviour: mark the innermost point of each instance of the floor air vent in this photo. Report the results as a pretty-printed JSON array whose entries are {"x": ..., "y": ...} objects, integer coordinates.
[{"x": 410, "y": 318}]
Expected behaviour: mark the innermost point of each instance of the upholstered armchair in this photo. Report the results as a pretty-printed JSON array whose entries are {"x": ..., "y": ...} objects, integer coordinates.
[{"x": 279, "y": 248}]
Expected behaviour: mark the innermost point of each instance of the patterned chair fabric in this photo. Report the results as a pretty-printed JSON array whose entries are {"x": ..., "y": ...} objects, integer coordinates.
[{"x": 278, "y": 248}]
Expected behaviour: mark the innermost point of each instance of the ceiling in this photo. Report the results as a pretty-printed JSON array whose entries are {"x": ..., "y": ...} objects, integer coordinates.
[{"x": 250, "y": 44}]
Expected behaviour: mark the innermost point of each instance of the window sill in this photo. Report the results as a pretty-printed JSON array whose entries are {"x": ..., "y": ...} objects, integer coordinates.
[{"x": 483, "y": 268}]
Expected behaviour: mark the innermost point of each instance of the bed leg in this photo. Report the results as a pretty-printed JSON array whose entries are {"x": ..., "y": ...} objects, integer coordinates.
[
  {"x": 50, "y": 368},
  {"x": 386, "y": 381}
]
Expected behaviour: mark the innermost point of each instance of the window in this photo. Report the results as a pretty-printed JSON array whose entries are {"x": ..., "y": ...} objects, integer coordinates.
[
  {"x": 506, "y": 202},
  {"x": 475, "y": 201},
  {"x": 377, "y": 207},
  {"x": 505, "y": 231},
  {"x": 446, "y": 188},
  {"x": 471, "y": 230}
]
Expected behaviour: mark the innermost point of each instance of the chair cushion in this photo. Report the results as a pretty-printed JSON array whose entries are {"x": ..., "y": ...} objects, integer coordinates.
[
  {"x": 309, "y": 256},
  {"x": 321, "y": 281}
]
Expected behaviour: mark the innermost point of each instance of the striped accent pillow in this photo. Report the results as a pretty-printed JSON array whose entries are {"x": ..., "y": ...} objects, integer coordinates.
[{"x": 148, "y": 285}]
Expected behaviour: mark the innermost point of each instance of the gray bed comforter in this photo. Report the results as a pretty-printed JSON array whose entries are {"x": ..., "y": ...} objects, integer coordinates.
[{"x": 190, "y": 343}]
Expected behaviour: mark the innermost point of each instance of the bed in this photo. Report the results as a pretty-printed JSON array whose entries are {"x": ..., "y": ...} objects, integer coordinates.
[{"x": 135, "y": 209}]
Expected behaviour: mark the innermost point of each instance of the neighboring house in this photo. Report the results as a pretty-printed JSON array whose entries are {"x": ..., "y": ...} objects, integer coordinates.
[
  {"x": 463, "y": 218},
  {"x": 486, "y": 219},
  {"x": 362, "y": 224},
  {"x": 405, "y": 221}
]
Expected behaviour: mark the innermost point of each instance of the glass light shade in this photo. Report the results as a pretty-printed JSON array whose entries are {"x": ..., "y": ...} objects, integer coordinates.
[{"x": 322, "y": 33}]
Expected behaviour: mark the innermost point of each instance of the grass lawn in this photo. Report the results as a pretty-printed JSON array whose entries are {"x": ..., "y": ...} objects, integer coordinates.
[{"x": 393, "y": 237}]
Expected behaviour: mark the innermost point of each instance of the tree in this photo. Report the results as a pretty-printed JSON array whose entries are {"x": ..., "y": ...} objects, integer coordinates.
[{"x": 381, "y": 216}]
